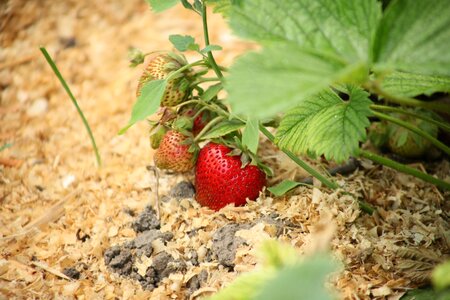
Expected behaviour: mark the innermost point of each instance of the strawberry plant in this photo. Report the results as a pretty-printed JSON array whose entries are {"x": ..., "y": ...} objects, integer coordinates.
[{"x": 328, "y": 68}]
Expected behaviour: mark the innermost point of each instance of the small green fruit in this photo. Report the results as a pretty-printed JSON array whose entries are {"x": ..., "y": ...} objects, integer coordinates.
[
  {"x": 378, "y": 134},
  {"x": 404, "y": 142}
]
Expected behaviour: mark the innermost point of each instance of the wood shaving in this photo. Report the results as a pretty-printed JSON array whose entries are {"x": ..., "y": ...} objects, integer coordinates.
[{"x": 59, "y": 211}]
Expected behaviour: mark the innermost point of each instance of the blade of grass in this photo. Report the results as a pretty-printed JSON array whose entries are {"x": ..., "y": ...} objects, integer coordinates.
[
  {"x": 74, "y": 101},
  {"x": 5, "y": 146}
]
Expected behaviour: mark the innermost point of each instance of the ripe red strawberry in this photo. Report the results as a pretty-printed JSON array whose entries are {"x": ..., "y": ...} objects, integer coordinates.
[
  {"x": 159, "y": 68},
  {"x": 172, "y": 154},
  {"x": 221, "y": 180}
]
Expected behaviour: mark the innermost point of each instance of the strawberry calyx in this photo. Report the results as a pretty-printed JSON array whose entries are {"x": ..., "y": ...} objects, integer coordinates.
[{"x": 245, "y": 155}]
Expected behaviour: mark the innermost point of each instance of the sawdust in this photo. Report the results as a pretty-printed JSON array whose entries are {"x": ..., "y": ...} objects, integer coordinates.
[{"x": 59, "y": 214}]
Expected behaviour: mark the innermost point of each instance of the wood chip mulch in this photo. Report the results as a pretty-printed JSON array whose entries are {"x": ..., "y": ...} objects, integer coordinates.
[{"x": 60, "y": 214}]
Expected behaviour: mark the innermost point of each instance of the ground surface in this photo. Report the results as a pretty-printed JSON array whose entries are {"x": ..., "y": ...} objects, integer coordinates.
[{"x": 62, "y": 218}]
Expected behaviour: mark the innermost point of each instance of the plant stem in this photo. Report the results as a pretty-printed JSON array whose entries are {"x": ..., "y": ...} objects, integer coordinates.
[
  {"x": 199, "y": 112},
  {"x": 375, "y": 88},
  {"x": 440, "y": 124},
  {"x": 185, "y": 67},
  {"x": 211, "y": 59},
  {"x": 74, "y": 101},
  {"x": 404, "y": 169},
  {"x": 366, "y": 207},
  {"x": 201, "y": 80},
  {"x": 330, "y": 184},
  {"x": 188, "y": 102},
  {"x": 207, "y": 127},
  {"x": 414, "y": 129}
]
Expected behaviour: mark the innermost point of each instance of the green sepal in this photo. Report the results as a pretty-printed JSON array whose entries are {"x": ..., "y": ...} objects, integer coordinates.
[
  {"x": 283, "y": 187},
  {"x": 136, "y": 57}
]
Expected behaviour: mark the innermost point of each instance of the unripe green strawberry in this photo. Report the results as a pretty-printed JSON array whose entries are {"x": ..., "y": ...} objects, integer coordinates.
[
  {"x": 159, "y": 68},
  {"x": 378, "y": 134},
  {"x": 173, "y": 154},
  {"x": 404, "y": 142},
  {"x": 220, "y": 178}
]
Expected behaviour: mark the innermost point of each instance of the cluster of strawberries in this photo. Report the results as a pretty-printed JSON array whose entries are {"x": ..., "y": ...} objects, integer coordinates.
[{"x": 220, "y": 176}]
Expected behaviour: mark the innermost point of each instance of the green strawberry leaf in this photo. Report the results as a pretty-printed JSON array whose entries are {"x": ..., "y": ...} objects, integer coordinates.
[
  {"x": 325, "y": 124},
  {"x": 245, "y": 287},
  {"x": 441, "y": 276},
  {"x": 183, "y": 42},
  {"x": 277, "y": 255},
  {"x": 282, "y": 276},
  {"x": 283, "y": 75},
  {"x": 198, "y": 5},
  {"x": 223, "y": 128},
  {"x": 303, "y": 280},
  {"x": 414, "y": 36},
  {"x": 210, "y": 48},
  {"x": 250, "y": 135},
  {"x": 223, "y": 6},
  {"x": 182, "y": 122},
  {"x": 310, "y": 45},
  {"x": 410, "y": 85},
  {"x": 147, "y": 103},
  {"x": 343, "y": 27},
  {"x": 426, "y": 294},
  {"x": 211, "y": 92},
  {"x": 402, "y": 138},
  {"x": 161, "y": 5},
  {"x": 284, "y": 187}
]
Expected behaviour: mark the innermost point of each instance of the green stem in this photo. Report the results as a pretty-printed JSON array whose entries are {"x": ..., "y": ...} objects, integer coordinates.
[
  {"x": 404, "y": 169},
  {"x": 211, "y": 59},
  {"x": 184, "y": 68},
  {"x": 199, "y": 112},
  {"x": 213, "y": 108},
  {"x": 363, "y": 205},
  {"x": 188, "y": 102},
  {"x": 74, "y": 101},
  {"x": 414, "y": 129},
  {"x": 366, "y": 207},
  {"x": 207, "y": 127},
  {"x": 202, "y": 80},
  {"x": 375, "y": 88},
  {"x": 442, "y": 125},
  {"x": 330, "y": 184}
]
